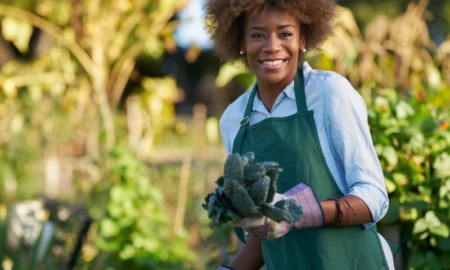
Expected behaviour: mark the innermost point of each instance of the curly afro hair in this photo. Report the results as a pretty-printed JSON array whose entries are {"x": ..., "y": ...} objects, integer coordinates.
[{"x": 225, "y": 21}]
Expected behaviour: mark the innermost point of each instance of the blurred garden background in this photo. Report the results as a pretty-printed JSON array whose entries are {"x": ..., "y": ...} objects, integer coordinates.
[{"x": 109, "y": 137}]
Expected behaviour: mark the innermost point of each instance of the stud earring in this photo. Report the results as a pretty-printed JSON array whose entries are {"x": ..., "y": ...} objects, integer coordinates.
[
  {"x": 304, "y": 50},
  {"x": 241, "y": 52}
]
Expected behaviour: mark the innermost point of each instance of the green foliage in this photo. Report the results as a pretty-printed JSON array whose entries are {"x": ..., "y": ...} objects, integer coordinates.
[
  {"x": 135, "y": 231},
  {"x": 246, "y": 190},
  {"x": 412, "y": 139},
  {"x": 64, "y": 102}
]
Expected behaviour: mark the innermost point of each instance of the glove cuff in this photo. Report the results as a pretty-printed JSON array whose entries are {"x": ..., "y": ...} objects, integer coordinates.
[{"x": 305, "y": 196}]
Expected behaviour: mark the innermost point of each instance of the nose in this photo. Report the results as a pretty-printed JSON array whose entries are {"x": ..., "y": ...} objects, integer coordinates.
[{"x": 272, "y": 43}]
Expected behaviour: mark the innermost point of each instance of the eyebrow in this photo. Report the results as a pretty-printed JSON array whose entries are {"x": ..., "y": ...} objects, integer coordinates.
[{"x": 283, "y": 26}]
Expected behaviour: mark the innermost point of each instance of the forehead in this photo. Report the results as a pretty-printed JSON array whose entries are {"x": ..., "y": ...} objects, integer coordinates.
[{"x": 271, "y": 15}]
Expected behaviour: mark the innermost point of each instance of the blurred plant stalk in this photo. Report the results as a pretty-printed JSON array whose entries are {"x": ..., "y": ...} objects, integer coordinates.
[{"x": 98, "y": 37}]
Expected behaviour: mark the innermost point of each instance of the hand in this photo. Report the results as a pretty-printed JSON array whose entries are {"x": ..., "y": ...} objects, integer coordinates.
[
  {"x": 259, "y": 232},
  {"x": 258, "y": 227},
  {"x": 312, "y": 214},
  {"x": 250, "y": 222}
]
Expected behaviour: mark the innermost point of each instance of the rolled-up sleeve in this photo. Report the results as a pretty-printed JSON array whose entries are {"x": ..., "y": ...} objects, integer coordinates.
[{"x": 351, "y": 143}]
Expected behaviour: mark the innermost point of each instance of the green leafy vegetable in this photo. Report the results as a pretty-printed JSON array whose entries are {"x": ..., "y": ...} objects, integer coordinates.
[
  {"x": 240, "y": 199},
  {"x": 246, "y": 190},
  {"x": 259, "y": 189},
  {"x": 234, "y": 168}
]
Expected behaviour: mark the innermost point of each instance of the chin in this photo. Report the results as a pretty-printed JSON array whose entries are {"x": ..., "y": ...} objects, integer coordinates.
[{"x": 274, "y": 77}]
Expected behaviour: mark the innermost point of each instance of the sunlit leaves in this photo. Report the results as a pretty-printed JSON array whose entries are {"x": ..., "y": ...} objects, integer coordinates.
[
  {"x": 413, "y": 151},
  {"x": 9, "y": 88},
  {"x": 229, "y": 71},
  {"x": 403, "y": 110},
  {"x": 56, "y": 11},
  {"x": 442, "y": 165},
  {"x": 390, "y": 155},
  {"x": 108, "y": 228},
  {"x": 158, "y": 94},
  {"x": 432, "y": 224},
  {"x": 18, "y": 32},
  {"x": 17, "y": 123},
  {"x": 154, "y": 47},
  {"x": 444, "y": 195}
]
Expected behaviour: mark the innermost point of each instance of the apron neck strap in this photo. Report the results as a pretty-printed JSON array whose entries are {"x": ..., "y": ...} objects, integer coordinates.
[
  {"x": 245, "y": 122},
  {"x": 300, "y": 96}
]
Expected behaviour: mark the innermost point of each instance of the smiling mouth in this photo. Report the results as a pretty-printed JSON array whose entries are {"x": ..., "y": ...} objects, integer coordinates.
[{"x": 273, "y": 62}]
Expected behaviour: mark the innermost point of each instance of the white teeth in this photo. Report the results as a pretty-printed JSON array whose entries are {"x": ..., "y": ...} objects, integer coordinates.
[{"x": 273, "y": 63}]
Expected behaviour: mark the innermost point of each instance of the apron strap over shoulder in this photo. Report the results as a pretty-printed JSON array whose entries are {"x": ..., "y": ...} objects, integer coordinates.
[
  {"x": 245, "y": 122},
  {"x": 300, "y": 96}
]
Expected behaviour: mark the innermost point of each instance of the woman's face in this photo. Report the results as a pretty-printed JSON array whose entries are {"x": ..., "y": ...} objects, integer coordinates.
[{"x": 272, "y": 43}]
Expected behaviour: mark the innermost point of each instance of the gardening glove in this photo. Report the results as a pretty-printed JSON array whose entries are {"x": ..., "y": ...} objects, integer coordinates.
[
  {"x": 255, "y": 222},
  {"x": 260, "y": 229},
  {"x": 304, "y": 195},
  {"x": 312, "y": 214}
]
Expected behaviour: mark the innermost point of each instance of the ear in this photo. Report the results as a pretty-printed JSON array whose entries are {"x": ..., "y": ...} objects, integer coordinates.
[
  {"x": 302, "y": 42},
  {"x": 242, "y": 46}
]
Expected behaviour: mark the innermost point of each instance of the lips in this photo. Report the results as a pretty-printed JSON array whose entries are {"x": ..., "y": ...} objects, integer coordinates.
[{"x": 272, "y": 62}]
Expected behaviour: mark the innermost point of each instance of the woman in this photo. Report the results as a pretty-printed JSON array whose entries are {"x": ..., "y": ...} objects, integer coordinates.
[{"x": 314, "y": 124}]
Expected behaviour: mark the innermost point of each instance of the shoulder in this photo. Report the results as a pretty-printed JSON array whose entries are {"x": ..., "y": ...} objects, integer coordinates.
[
  {"x": 234, "y": 111},
  {"x": 336, "y": 89},
  {"x": 330, "y": 80},
  {"x": 231, "y": 119},
  {"x": 325, "y": 89}
]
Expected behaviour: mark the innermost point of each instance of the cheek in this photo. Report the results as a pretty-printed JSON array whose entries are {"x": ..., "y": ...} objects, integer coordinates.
[
  {"x": 251, "y": 54},
  {"x": 295, "y": 50}
]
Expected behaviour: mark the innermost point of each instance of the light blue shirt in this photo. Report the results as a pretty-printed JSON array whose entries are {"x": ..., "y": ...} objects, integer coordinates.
[{"x": 340, "y": 115}]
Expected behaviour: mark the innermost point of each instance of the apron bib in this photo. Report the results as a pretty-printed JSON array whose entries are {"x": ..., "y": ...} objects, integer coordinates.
[{"x": 293, "y": 142}]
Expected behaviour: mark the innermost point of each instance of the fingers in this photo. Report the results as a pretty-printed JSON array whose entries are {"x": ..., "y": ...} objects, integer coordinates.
[
  {"x": 259, "y": 232},
  {"x": 277, "y": 229},
  {"x": 250, "y": 222}
]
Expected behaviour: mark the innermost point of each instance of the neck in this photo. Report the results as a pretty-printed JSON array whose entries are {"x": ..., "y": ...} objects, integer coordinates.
[{"x": 268, "y": 93}]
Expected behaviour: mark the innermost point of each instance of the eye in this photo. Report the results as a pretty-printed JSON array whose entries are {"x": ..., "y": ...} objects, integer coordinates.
[
  {"x": 286, "y": 34},
  {"x": 257, "y": 36}
]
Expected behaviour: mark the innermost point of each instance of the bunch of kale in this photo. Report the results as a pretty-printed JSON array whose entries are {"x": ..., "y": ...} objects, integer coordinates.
[{"x": 247, "y": 190}]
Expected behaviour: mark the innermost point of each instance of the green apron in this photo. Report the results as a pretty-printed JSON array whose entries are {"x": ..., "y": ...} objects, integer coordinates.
[{"x": 293, "y": 142}]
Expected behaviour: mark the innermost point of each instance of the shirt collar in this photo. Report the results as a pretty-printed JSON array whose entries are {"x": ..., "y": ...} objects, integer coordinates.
[
  {"x": 288, "y": 91},
  {"x": 307, "y": 69}
]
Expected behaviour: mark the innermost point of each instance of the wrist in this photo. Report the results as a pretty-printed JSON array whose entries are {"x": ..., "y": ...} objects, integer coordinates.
[{"x": 330, "y": 213}]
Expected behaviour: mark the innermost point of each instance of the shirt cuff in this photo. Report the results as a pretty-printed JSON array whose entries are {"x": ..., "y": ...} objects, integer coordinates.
[{"x": 375, "y": 200}]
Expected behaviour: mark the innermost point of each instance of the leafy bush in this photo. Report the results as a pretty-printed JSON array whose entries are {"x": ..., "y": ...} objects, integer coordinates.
[
  {"x": 135, "y": 231},
  {"x": 412, "y": 139}
]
